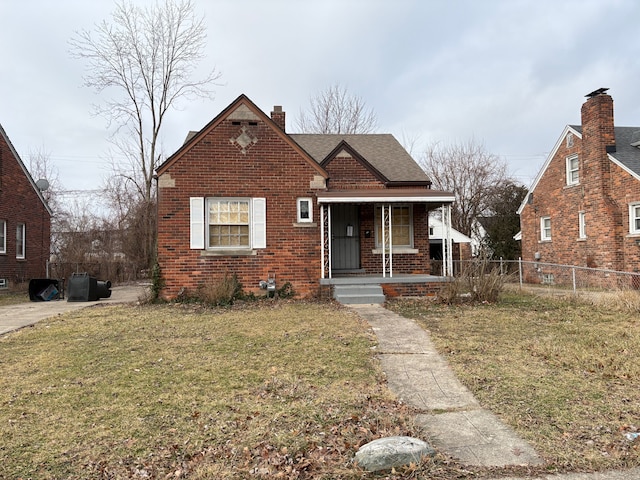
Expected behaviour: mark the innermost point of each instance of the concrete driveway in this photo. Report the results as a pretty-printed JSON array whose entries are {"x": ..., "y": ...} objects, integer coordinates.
[{"x": 13, "y": 317}]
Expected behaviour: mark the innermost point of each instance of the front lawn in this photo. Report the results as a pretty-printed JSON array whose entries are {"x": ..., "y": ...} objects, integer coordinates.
[
  {"x": 564, "y": 374},
  {"x": 291, "y": 390},
  {"x": 287, "y": 389}
]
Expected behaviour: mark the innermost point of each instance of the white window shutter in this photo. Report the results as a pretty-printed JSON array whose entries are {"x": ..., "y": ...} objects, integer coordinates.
[
  {"x": 196, "y": 223},
  {"x": 259, "y": 223}
]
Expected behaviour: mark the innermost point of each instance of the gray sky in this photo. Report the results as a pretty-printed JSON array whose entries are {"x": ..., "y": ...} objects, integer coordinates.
[{"x": 507, "y": 73}]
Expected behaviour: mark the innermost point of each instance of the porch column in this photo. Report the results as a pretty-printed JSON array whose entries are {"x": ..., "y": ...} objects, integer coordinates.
[
  {"x": 387, "y": 241},
  {"x": 325, "y": 239},
  {"x": 446, "y": 241}
]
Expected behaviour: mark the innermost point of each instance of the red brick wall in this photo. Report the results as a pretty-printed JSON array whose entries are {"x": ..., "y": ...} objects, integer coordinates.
[
  {"x": 603, "y": 193},
  {"x": 346, "y": 173},
  {"x": 273, "y": 169},
  {"x": 19, "y": 203},
  {"x": 215, "y": 167}
]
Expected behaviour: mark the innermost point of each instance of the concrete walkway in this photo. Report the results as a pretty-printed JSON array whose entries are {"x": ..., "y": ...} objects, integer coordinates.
[
  {"x": 455, "y": 422},
  {"x": 14, "y": 317}
]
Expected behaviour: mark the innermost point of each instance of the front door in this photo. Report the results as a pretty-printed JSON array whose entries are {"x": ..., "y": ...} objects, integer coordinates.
[{"x": 345, "y": 237}]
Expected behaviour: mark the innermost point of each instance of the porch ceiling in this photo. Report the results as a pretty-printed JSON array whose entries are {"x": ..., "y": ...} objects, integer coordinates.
[{"x": 391, "y": 195}]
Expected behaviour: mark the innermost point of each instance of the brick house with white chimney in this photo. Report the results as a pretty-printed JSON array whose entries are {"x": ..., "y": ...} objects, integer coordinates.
[
  {"x": 25, "y": 221},
  {"x": 583, "y": 208},
  {"x": 244, "y": 197}
]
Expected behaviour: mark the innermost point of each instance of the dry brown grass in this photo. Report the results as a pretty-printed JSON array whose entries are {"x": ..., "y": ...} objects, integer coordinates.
[
  {"x": 13, "y": 297},
  {"x": 564, "y": 374},
  {"x": 283, "y": 390}
]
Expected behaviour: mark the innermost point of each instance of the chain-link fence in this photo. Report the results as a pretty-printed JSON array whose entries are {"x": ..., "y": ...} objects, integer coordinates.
[{"x": 594, "y": 284}]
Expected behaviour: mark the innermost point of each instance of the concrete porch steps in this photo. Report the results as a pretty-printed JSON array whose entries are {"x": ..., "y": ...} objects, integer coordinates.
[{"x": 358, "y": 294}]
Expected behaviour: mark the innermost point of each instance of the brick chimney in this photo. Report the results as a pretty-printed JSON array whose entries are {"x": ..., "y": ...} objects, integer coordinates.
[
  {"x": 278, "y": 116},
  {"x": 598, "y": 136}
]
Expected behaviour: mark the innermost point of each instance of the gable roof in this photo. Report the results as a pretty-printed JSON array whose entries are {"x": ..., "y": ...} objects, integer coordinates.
[
  {"x": 439, "y": 231},
  {"x": 380, "y": 150},
  {"x": 241, "y": 106},
  {"x": 24, "y": 169},
  {"x": 627, "y": 154}
]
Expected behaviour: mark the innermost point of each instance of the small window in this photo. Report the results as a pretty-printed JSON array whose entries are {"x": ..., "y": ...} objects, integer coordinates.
[
  {"x": 569, "y": 140},
  {"x": 20, "y": 240},
  {"x": 573, "y": 176},
  {"x": 545, "y": 229},
  {"x": 3, "y": 283},
  {"x": 3, "y": 236},
  {"x": 634, "y": 218},
  {"x": 305, "y": 210},
  {"x": 582, "y": 225}
]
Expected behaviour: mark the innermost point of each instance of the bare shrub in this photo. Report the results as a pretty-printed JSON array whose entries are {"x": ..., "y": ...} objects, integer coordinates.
[
  {"x": 222, "y": 292},
  {"x": 479, "y": 281}
]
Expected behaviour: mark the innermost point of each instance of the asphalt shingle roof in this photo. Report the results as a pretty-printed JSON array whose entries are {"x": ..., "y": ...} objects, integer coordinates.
[
  {"x": 382, "y": 151},
  {"x": 626, "y": 153}
]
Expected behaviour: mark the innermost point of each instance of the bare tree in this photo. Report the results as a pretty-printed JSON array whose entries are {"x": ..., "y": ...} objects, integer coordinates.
[
  {"x": 470, "y": 172},
  {"x": 335, "y": 110},
  {"x": 41, "y": 167},
  {"x": 147, "y": 57}
]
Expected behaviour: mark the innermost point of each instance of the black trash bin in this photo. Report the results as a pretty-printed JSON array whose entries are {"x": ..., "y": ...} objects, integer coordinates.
[
  {"x": 83, "y": 288},
  {"x": 44, "y": 289}
]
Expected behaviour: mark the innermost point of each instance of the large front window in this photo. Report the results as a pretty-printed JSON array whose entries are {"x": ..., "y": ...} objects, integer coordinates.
[
  {"x": 228, "y": 222},
  {"x": 401, "y": 226}
]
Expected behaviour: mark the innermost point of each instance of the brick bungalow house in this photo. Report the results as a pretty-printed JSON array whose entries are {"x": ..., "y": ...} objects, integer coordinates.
[
  {"x": 583, "y": 208},
  {"x": 25, "y": 220},
  {"x": 243, "y": 197}
]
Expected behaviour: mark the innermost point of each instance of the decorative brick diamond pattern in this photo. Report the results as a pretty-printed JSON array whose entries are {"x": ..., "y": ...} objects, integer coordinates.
[{"x": 244, "y": 141}]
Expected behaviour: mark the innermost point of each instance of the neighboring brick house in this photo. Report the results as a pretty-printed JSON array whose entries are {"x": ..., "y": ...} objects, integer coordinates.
[
  {"x": 583, "y": 208},
  {"x": 25, "y": 220},
  {"x": 243, "y": 197}
]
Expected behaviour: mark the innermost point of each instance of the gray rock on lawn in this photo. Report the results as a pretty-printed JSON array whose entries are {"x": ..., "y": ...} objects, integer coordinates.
[{"x": 391, "y": 452}]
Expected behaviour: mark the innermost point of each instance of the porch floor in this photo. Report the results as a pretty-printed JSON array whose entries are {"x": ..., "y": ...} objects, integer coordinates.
[{"x": 367, "y": 279}]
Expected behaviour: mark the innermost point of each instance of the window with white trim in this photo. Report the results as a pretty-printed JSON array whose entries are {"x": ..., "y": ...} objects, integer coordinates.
[
  {"x": 305, "y": 210},
  {"x": 573, "y": 173},
  {"x": 545, "y": 229},
  {"x": 3, "y": 236},
  {"x": 634, "y": 218},
  {"x": 582, "y": 225},
  {"x": 401, "y": 226},
  {"x": 227, "y": 223},
  {"x": 21, "y": 237}
]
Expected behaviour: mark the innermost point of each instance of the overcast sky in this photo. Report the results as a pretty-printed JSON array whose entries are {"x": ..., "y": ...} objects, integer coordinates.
[{"x": 507, "y": 73}]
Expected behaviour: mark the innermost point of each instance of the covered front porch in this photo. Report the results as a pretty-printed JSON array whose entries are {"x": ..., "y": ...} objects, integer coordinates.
[{"x": 381, "y": 237}]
